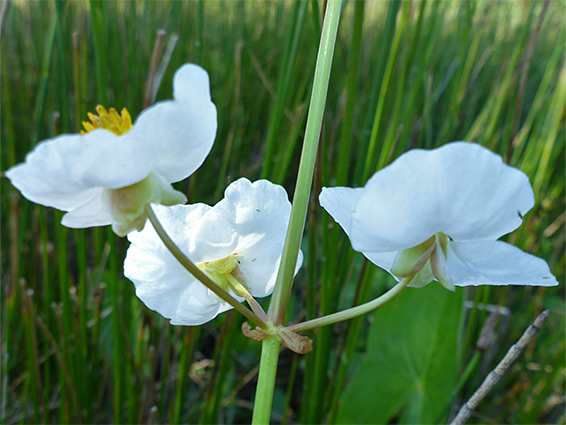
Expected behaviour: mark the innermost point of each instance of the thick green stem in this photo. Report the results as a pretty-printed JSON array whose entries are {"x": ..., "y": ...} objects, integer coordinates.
[
  {"x": 286, "y": 273},
  {"x": 266, "y": 380},
  {"x": 198, "y": 273},
  {"x": 351, "y": 312}
]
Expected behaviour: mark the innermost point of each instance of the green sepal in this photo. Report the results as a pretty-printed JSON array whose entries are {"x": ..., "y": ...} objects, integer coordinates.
[
  {"x": 422, "y": 278},
  {"x": 438, "y": 262},
  {"x": 126, "y": 204},
  {"x": 408, "y": 262}
]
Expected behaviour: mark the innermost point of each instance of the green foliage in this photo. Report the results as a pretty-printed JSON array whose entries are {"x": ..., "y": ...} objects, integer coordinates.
[
  {"x": 412, "y": 360},
  {"x": 78, "y": 346}
]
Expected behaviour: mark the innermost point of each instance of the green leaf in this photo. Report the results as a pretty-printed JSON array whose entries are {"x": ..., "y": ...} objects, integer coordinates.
[{"x": 412, "y": 360}]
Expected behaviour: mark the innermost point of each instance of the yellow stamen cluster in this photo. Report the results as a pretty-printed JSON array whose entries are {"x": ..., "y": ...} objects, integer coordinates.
[{"x": 108, "y": 120}]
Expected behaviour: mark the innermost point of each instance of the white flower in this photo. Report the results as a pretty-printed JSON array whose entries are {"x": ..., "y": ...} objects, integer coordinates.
[
  {"x": 107, "y": 175},
  {"x": 238, "y": 241},
  {"x": 438, "y": 214}
]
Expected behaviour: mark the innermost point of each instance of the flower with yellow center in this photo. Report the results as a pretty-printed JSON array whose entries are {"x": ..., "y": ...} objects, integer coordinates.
[
  {"x": 437, "y": 215},
  {"x": 237, "y": 243},
  {"x": 106, "y": 174}
]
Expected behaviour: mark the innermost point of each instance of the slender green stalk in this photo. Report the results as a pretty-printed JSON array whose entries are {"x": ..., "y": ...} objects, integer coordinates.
[
  {"x": 99, "y": 39},
  {"x": 63, "y": 89},
  {"x": 290, "y": 387},
  {"x": 383, "y": 92},
  {"x": 235, "y": 119},
  {"x": 286, "y": 273},
  {"x": 187, "y": 354},
  {"x": 198, "y": 273},
  {"x": 384, "y": 49},
  {"x": 351, "y": 312},
  {"x": 282, "y": 166},
  {"x": 118, "y": 369},
  {"x": 45, "y": 71},
  {"x": 344, "y": 146},
  {"x": 266, "y": 380},
  {"x": 34, "y": 380},
  {"x": 288, "y": 61},
  {"x": 200, "y": 35}
]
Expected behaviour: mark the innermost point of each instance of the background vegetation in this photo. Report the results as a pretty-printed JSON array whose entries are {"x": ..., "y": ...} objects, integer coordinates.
[{"x": 78, "y": 346}]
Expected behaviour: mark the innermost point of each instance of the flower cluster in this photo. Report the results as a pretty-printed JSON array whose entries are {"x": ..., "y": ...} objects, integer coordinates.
[{"x": 431, "y": 215}]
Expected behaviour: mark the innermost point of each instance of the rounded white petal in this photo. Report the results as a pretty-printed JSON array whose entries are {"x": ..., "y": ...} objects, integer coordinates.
[
  {"x": 102, "y": 159},
  {"x": 197, "y": 306},
  {"x": 495, "y": 263},
  {"x": 212, "y": 238},
  {"x": 166, "y": 287},
  {"x": 92, "y": 213},
  {"x": 259, "y": 213},
  {"x": 340, "y": 203},
  {"x": 183, "y": 129},
  {"x": 255, "y": 208},
  {"x": 45, "y": 176},
  {"x": 200, "y": 231},
  {"x": 191, "y": 81},
  {"x": 460, "y": 189},
  {"x": 161, "y": 282},
  {"x": 66, "y": 172}
]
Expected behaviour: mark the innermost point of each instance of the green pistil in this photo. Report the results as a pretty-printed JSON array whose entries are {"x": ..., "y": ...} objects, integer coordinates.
[
  {"x": 221, "y": 272},
  {"x": 225, "y": 265}
]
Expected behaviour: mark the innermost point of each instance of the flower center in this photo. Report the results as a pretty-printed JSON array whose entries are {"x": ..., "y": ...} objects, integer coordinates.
[
  {"x": 108, "y": 120},
  {"x": 424, "y": 262},
  {"x": 226, "y": 274},
  {"x": 126, "y": 204},
  {"x": 220, "y": 267}
]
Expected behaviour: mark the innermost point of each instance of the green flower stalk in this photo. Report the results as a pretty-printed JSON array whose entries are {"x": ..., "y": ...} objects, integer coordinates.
[{"x": 282, "y": 292}]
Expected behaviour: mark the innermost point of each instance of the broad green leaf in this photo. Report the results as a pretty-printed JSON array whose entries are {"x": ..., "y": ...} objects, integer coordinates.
[{"x": 412, "y": 360}]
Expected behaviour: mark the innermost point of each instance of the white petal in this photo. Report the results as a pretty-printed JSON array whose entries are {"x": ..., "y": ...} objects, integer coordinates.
[
  {"x": 259, "y": 213},
  {"x": 183, "y": 129},
  {"x": 191, "y": 81},
  {"x": 161, "y": 282},
  {"x": 47, "y": 179},
  {"x": 159, "y": 279},
  {"x": 460, "y": 189},
  {"x": 201, "y": 232},
  {"x": 197, "y": 306},
  {"x": 178, "y": 221},
  {"x": 212, "y": 238},
  {"x": 166, "y": 287},
  {"x": 64, "y": 172},
  {"x": 106, "y": 160},
  {"x": 495, "y": 263},
  {"x": 92, "y": 213},
  {"x": 382, "y": 259},
  {"x": 255, "y": 208},
  {"x": 340, "y": 203}
]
